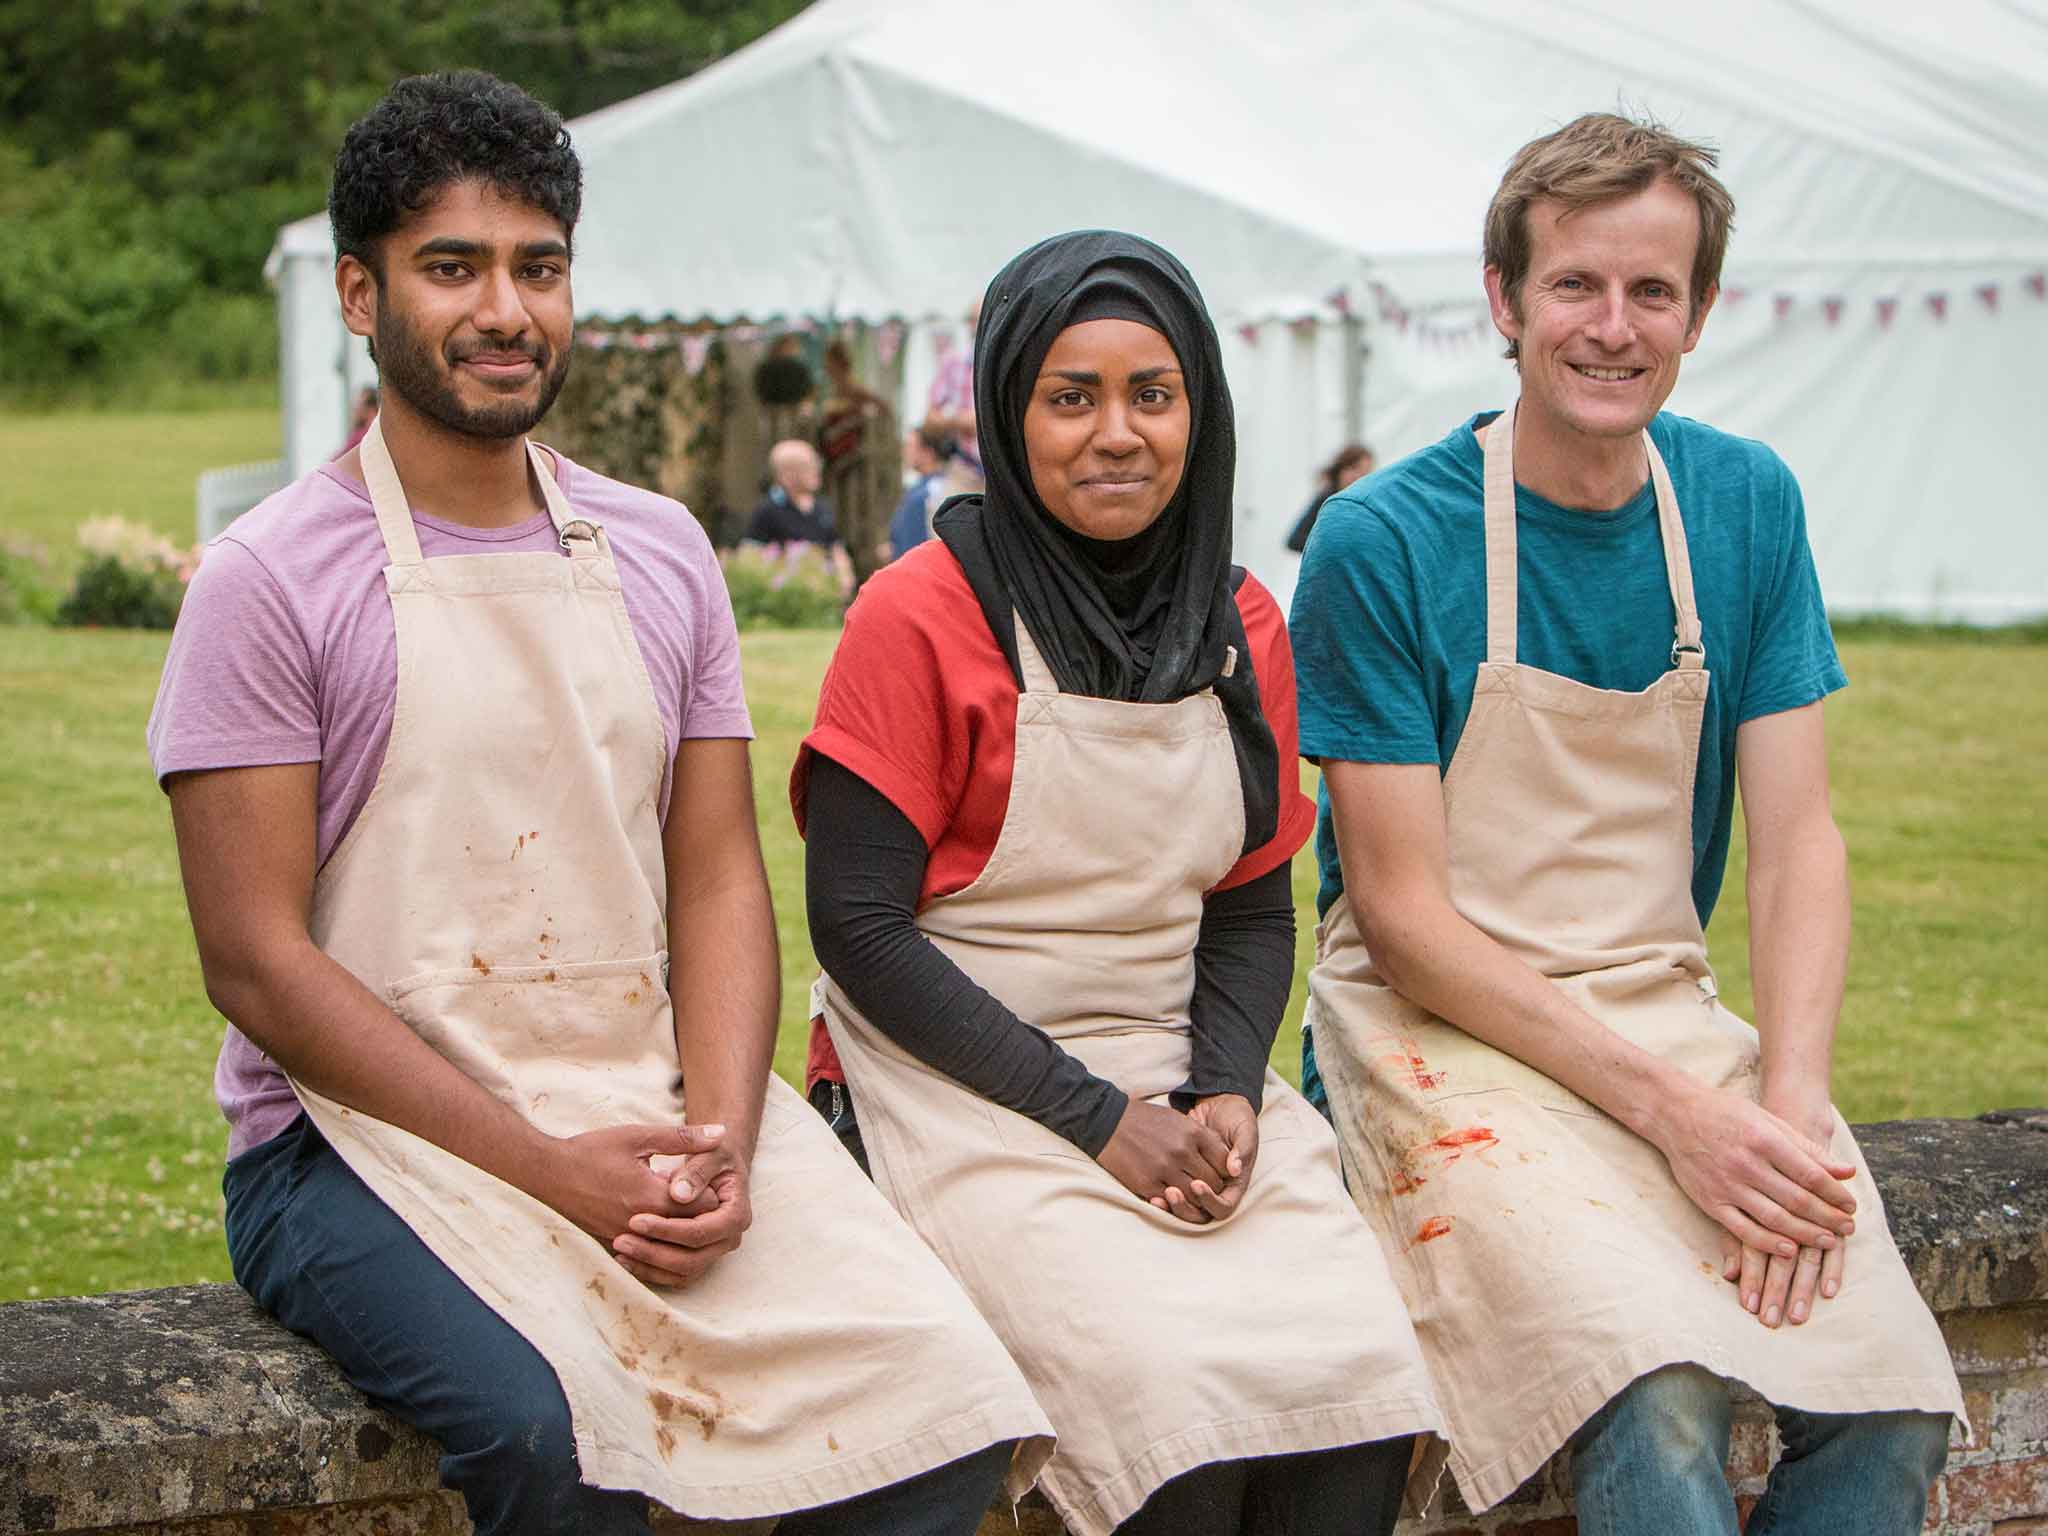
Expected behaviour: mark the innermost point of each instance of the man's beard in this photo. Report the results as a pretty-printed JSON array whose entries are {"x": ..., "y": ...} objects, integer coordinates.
[{"x": 407, "y": 365}]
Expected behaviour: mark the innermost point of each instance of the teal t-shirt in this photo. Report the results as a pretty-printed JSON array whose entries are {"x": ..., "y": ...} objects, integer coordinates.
[{"x": 1389, "y": 617}]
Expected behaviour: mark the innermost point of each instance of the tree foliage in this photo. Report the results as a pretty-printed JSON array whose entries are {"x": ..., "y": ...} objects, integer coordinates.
[{"x": 149, "y": 149}]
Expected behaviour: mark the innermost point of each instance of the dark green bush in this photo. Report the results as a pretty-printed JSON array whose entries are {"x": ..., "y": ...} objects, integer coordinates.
[{"x": 111, "y": 595}]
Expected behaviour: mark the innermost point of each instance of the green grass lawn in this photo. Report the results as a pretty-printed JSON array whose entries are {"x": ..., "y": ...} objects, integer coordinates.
[
  {"x": 66, "y": 466},
  {"x": 109, "y": 1166}
]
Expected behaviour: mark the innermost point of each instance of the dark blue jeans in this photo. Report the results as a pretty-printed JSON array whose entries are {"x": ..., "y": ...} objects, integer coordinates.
[{"x": 327, "y": 1258}]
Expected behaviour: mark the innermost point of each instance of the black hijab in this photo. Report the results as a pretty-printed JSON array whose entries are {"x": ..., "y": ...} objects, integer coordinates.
[{"x": 1150, "y": 618}]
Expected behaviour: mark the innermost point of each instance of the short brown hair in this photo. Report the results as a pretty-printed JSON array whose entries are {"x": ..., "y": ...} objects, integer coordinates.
[{"x": 1599, "y": 158}]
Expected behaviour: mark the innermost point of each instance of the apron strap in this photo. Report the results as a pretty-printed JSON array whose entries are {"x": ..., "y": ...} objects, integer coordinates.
[
  {"x": 1038, "y": 676},
  {"x": 582, "y": 538},
  {"x": 1500, "y": 538},
  {"x": 1688, "y": 650},
  {"x": 387, "y": 499}
]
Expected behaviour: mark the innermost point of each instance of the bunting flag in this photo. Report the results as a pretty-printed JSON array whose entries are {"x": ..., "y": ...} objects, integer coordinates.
[
  {"x": 1938, "y": 302},
  {"x": 696, "y": 349},
  {"x": 1781, "y": 306},
  {"x": 1832, "y": 307},
  {"x": 2037, "y": 284},
  {"x": 1303, "y": 325},
  {"x": 1987, "y": 295},
  {"x": 1248, "y": 334},
  {"x": 1339, "y": 299},
  {"x": 1733, "y": 297},
  {"x": 1887, "y": 311},
  {"x": 889, "y": 341}
]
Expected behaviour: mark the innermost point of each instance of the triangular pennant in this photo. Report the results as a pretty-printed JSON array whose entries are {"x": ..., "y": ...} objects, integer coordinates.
[
  {"x": 1987, "y": 295},
  {"x": 2037, "y": 284},
  {"x": 1248, "y": 334},
  {"x": 595, "y": 339},
  {"x": 1887, "y": 310},
  {"x": 1938, "y": 302},
  {"x": 1781, "y": 306},
  {"x": 1339, "y": 300},
  {"x": 1733, "y": 296},
  {"x": 695, "y": 347},
  {"x": 1832, "y": 307}
]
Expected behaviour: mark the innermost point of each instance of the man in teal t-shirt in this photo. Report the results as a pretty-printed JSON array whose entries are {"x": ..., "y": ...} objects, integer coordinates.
[
  {"x": 1389, "y": 620},
  {"x": 1525, "y": 966}
]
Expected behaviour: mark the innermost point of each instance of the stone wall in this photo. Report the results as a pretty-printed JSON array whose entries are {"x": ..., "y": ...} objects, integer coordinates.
[{"x": 187, "y": 1411}]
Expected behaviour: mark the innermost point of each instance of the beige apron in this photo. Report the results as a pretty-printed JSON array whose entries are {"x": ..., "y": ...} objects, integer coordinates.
[
  {"x": 503, "y": 891},
  {"x": 1156, "y": 1346},
  {"x": 1547, "y": 1255}
]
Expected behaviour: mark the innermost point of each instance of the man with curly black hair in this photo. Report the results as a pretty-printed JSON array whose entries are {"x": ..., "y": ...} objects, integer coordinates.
[{"x": 456, "y": 751}]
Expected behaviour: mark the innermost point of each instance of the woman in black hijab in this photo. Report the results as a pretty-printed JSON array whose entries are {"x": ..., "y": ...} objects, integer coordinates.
[{"x": 1050, "y": 802}]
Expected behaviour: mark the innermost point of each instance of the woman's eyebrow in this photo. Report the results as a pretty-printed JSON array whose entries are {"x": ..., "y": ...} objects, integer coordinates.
[{"x": 1085, "y": 376}]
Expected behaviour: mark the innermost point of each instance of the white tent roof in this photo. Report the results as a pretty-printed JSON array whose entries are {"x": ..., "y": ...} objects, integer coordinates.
[
  {"x": 878, "y": 158},
  {"x": 883, "y": 157}
]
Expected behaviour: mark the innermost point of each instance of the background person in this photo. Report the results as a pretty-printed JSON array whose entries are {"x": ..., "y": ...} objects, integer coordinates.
[
  {"x": 1354, "y": 461},
  {"x": 862, "y": 471},
  {"x": 456, "y": 752},
  {"x": 1049, "y": 805},
  {"x": 927, "y": 454},
  {"x": 792, "y": 511},
  {"x": 362, "y": 411},
  {"x": 949, "y": 403},
  {"x": 1537, "y": 659}
]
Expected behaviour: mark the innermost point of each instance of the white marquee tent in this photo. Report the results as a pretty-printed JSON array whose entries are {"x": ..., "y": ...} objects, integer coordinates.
[{"x": 1323, "y": 166}]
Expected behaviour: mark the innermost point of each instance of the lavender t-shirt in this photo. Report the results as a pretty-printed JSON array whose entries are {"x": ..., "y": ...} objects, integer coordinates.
[{"x": 285, "y": 652}]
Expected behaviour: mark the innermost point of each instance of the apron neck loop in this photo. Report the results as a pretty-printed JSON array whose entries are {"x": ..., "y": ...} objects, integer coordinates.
[
  {"x": 1038, "y": 676},
  {"x": 581, "y": 537},
  {"x": 1688, "y": 650},
  {"x": 387, "y": 499}
]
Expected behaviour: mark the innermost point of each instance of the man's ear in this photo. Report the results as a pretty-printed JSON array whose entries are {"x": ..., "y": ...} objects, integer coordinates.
[
  {"x": 1699, "y": 319},
  {"x": 1507, "y": 318},
  {"x": 356, "y": 285}
]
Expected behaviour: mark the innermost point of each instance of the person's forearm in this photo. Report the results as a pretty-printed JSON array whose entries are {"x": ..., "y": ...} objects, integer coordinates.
[
  {"x": 725, "y": 982},
  {"x": 331, "y": 1034},
  {"x": 1798, "y": 958},
  {"x": 1244, "y": 969},
  {"x": 1427, "y": 951}
]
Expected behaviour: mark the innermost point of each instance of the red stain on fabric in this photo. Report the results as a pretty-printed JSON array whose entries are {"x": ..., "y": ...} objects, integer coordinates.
[
  {"x": 519, "y": 847},
  {"x": 479, "y": 964},
  {"x": 1424, "y": 1078},
  {"x": 1472, "y": 1136},
  {"x": 1432, "y": 1229},
  {"x": 1405, "y": 1183}
]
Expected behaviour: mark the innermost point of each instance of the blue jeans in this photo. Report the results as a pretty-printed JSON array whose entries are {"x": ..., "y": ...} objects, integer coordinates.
[
  {"x": 1651, "y": 1463},
  {"x": 320, "y": 1252}
]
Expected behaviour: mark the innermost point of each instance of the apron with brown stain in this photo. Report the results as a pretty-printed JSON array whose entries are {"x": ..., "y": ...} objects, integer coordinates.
[
  {"x": 503, "y": 891},
  {"x": 1155, "y": 1346},
  {"x": 1546, "y": 1253}
]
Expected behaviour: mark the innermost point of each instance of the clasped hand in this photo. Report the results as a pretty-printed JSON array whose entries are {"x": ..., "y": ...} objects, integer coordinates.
[
  {"x": 1766, "y": 1174},
  {"x": 667, "y": 1200},
  {"x": 1196, "y": 1166}
]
